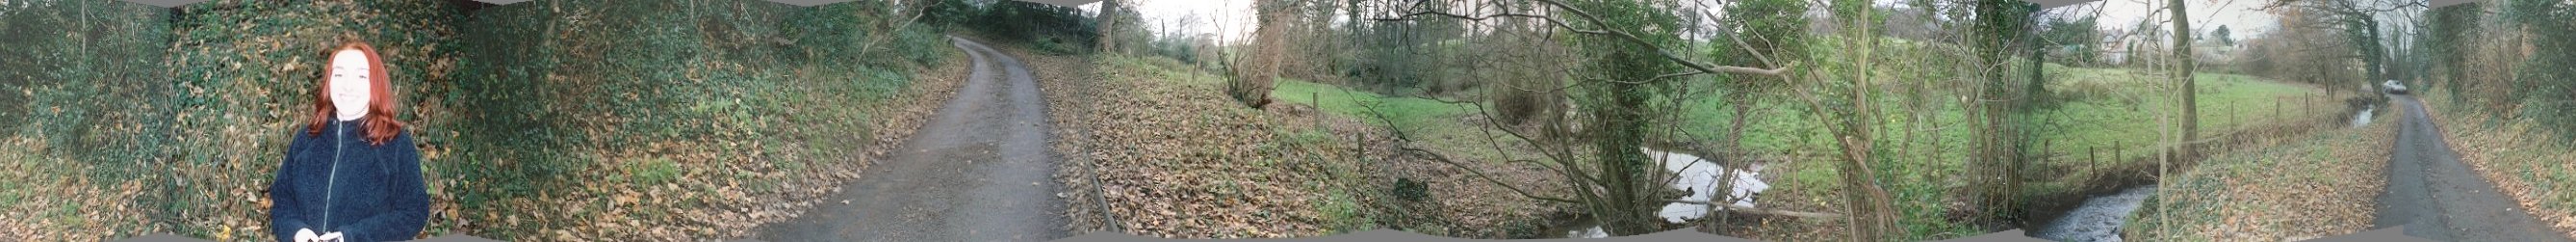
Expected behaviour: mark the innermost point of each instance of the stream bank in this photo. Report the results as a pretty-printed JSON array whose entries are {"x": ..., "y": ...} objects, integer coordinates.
[{"x": 2101, "y": 206}]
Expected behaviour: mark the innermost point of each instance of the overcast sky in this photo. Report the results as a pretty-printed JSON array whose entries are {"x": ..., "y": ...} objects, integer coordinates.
[
  {"x": 1234, "y": 15},
  {"x": 2240, "y": 16}
]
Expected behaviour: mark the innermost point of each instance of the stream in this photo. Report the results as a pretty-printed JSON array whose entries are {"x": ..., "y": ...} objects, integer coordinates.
[
  {"x": 2099, "y": 219},
  {"x": 1700, "y": 177},
  {"x": 2364, "y": 118}
]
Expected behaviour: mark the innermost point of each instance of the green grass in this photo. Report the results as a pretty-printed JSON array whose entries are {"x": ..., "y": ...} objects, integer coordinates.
[
  {"x": 2120, "y": 120},
  {"x": 1403, "y": 111},
  {"x": 652, "y": 171},
  {"x": 1342, "y": 214}
]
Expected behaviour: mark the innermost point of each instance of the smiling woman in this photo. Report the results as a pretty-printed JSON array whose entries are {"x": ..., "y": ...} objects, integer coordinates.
[{"x": 352, "y": 174}]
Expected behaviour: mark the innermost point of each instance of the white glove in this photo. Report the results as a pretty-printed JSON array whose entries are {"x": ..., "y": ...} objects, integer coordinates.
[
  {"x": 303, "y": 235},
  {"x": 330, "y": 237}
]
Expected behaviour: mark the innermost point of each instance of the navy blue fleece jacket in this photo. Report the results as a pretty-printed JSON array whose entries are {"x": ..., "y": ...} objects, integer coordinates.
[{"x": 337, "y": 182}]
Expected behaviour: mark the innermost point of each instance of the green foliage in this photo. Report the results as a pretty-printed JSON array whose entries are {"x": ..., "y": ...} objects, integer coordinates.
[
  {"x": 2073, "y": 42},
  {"x": 2222, "y": 36},
  {"x": 565, "y": 95},
  {"x": 1343, "y": 214},
  {"x": 1410, "y": 190},
  {"x": 653, "y": 171},
  {"x": 2445, "y": 40},
  {"x": 1404, "y": 54},
  {"x": 951, "y": 12},
  {"x": 849, "y": 34},
  {"x": 2547, "y": 80},
  {"x": 196, "y": 103},
  {"x": 1627, "y": 71},
  {"x": 85, "y": 81},
  {"x": 1775, "y": 28},
  {"x": 1064, "y": 28}
]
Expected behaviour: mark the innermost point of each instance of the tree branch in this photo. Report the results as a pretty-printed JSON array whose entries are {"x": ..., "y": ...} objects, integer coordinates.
[{"x": 1703, "y": 68}]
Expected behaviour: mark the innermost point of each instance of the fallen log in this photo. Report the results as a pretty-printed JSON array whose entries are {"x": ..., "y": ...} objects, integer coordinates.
[{"x": 1744, "y": 209}]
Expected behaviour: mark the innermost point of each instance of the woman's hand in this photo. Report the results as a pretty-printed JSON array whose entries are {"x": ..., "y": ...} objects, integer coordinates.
[
  {"x": 330, "y": 237},
  {"x": 304, "y": 235}
]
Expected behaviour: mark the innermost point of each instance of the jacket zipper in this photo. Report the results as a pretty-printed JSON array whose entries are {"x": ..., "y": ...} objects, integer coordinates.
[{"x": 338, "y": 145}]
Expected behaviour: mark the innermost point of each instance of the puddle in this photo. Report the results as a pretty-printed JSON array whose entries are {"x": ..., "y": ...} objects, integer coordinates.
[
  {"x": 2099, "y": 219},
  {"x": 1701, "y": 177},
  {"x": 2363, "y": 119}
]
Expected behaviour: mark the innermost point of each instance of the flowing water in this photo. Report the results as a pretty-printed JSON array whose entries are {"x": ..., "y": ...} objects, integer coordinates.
[
  {"x": 2099, "y": 219},
  {"x": 1700, "y": 177},
  {"x": 1587, "y": 233},
  {"x": 2364, "y": 118}
]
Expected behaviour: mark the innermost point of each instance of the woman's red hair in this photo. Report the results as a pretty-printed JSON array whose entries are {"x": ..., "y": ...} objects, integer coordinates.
[{"x": 380, "y": 124}]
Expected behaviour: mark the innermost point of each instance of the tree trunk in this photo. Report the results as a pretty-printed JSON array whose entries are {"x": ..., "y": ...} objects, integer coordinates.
[
  {"x": 2182, "y": 72},
  {"x": 1109, "y": 26},
  {"x": 1253, "y": 78},
  {"x": 1873, "y": 213},
  {"x": 1623, "y": 130},
  {"x": 1998, "y": 142}
]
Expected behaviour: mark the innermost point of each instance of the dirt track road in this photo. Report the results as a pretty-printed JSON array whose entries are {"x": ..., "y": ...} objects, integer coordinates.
[
  {"x": 977, "y": 171},
  {"x": 2437, "y": 197}
]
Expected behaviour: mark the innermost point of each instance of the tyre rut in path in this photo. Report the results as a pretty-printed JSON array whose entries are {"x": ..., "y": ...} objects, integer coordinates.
[
  {"x": 979, "y": 170},
  {"x": 2436, "y": 197}
]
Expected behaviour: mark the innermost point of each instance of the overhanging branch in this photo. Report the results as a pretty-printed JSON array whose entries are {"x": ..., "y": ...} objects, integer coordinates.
[{"x": 1702, "y": 68}]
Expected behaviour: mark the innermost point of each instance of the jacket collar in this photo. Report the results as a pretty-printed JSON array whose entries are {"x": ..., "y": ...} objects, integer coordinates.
[{"x": 345, "y": 129}]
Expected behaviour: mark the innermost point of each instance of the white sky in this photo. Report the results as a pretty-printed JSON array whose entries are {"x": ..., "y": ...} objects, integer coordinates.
[
  {"x": 1197, "y": 16},
  {"x": 2241, "y": 17}
]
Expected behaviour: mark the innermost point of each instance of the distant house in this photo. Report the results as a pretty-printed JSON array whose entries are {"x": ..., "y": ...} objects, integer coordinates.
[{"x": 2117, "y": 43}]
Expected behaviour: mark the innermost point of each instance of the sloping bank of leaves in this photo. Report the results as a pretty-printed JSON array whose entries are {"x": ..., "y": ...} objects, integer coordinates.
[
  {"x": 2283, "y": 190},
  {"x": 668, "y": 120},
  {"x": 2518, "y": 155},
  {"x": 142, "y": 119},
  {"x": 1176, "y": 159}
]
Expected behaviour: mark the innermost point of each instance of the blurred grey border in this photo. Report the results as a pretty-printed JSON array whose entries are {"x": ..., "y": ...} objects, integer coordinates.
[
  {"x": 2390, "y": 234},
  {"x": 2382, "y": 234}
]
